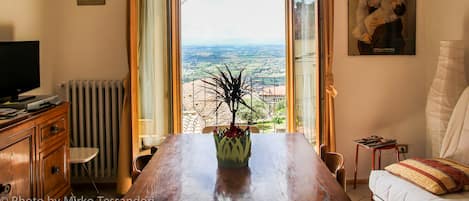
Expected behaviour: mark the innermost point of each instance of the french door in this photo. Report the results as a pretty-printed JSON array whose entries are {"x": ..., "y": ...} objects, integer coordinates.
[
  {"x": 284, "y": 72},
  {"x": 294, "y": 93}
]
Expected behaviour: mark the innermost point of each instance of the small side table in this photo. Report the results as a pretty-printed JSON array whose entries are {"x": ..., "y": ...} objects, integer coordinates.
[{"x": 373, "y": 162}]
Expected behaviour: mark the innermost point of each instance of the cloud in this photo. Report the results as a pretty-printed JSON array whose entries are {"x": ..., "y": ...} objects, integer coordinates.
[{"x": 233, "y": 22}]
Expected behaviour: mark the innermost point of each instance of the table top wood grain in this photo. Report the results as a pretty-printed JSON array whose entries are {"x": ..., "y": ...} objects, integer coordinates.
[{"x": 282, "y": 167}]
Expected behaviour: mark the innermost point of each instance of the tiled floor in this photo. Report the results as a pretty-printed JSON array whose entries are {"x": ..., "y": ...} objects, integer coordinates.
[
  {"x": 87, "y": 191},
  {"x": 362, "y": 193}
]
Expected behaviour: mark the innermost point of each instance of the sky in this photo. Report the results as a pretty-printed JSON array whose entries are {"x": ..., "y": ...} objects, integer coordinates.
[{"x": 222, "y": 22}]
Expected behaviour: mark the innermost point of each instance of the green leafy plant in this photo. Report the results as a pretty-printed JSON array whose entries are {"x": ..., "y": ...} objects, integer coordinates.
[{"x": 233, "y": 144}]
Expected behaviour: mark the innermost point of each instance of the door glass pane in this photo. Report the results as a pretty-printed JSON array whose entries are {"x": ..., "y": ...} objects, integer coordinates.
[
  {"x": 305, "y": 67},
  {"x": 240, "y": 34}
]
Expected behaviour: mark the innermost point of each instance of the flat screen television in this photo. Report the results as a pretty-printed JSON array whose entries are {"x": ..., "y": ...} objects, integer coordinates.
[{"x": 19, "y": 68}]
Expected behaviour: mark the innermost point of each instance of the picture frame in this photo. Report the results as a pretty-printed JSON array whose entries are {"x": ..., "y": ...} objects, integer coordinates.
[
  {"x": 91, "y": 2},
  {"x": 381, "y": 27}
]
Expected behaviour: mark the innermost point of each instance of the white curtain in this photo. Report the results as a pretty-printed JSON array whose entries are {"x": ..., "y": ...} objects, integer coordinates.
[
  {"x": 305, "y": 67},
  {"x": 153, "y": 73}
]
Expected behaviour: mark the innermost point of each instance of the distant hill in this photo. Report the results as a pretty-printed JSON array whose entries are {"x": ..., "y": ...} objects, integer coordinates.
[{"x": 265, "y": 64}]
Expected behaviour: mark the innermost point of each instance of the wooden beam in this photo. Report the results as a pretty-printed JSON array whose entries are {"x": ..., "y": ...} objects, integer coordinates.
[
  {"x": 291, "y": 116},
  {"x": 134, "y": 88},
  {"x": 175, "y": 46}
]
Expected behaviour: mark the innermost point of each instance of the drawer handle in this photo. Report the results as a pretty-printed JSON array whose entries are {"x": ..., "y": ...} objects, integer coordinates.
[
  {"x": 5, "y": 188},
  {"x": 55, "y": 170},
  {"x": 54, "y": 129}
]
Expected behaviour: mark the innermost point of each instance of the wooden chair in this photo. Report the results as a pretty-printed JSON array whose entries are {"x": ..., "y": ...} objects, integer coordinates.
[
  {"x": 335, "y": 163},
  {"x": 140, "y": 162},
  {"x": 209, "y": 129}
]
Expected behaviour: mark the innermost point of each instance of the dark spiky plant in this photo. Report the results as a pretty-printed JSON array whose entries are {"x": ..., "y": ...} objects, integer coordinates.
[
  {"x": 230, "y": 89},
  {"x": 233, "y": 145}
]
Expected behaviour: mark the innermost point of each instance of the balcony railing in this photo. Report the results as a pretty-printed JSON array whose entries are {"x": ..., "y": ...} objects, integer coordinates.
[{"x": 268, "y": 102}]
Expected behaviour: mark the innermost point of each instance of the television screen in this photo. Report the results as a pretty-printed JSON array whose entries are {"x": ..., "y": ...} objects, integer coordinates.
[{"x": 19, "y": 67}]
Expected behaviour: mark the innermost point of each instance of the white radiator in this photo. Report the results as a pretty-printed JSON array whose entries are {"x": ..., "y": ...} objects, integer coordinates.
[{"x": 95, "y": 113}]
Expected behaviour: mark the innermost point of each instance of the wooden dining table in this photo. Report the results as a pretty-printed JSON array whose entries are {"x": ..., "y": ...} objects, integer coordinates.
[{"x": 282, "y": 167}]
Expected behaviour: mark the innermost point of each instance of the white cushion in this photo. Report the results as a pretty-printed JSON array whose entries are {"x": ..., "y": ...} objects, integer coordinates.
[{"x": 388, "y": 187}]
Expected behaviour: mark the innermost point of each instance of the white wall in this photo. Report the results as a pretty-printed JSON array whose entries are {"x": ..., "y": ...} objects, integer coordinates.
[
  {"x": 386, "y": 95},
  {"x": 24, "y": 20},
  {"x": 383, "y": 95},
  {"x": 77, "y": 42},
  {"x": 446, "y": 20},
  {"x": 91, "y": 40}
]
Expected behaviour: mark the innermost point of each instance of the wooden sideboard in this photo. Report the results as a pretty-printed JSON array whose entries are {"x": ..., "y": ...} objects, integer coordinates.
[{"x": 34, "y": 155}]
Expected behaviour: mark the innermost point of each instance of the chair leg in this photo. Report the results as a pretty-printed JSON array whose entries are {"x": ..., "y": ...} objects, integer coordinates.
[
  {"x": 356, "y": 167},
  {"x": 91, "y": 178}
]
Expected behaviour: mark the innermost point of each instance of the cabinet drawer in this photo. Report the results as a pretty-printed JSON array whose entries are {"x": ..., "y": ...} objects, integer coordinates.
[
  {"x": 16, "y": 162},
  {"x": 54, "y": 170},
  {"x": 52, "y": 130}
]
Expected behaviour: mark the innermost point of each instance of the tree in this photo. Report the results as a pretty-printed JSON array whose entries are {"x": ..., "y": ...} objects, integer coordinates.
[
  {"x": 260, "y": 107},
  {"x": 280, "y": 108},
  {"x": 280, "y": 112},
  {"x": 278, "y": 119}
]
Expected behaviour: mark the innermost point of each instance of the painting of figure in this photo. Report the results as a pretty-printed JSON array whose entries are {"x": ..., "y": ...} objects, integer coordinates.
[{"x": 382, "y": 27}]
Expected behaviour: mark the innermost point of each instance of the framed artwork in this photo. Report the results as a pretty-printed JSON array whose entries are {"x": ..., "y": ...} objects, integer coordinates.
[
  {"x": 381, "y": 27},
  {"x": 91, "y": 2}
]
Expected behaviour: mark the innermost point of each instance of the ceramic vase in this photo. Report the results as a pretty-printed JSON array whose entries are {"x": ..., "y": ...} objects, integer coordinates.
[{"x": 233, "y": 152}]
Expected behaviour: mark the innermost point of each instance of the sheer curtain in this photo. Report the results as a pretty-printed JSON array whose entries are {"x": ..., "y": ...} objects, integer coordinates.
[
  {"x": 326, "y": 47},
  {"x": 305, "y": 67},
  {"x": 153, "y": 74},
  {"x": 145, "y": 112}
]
